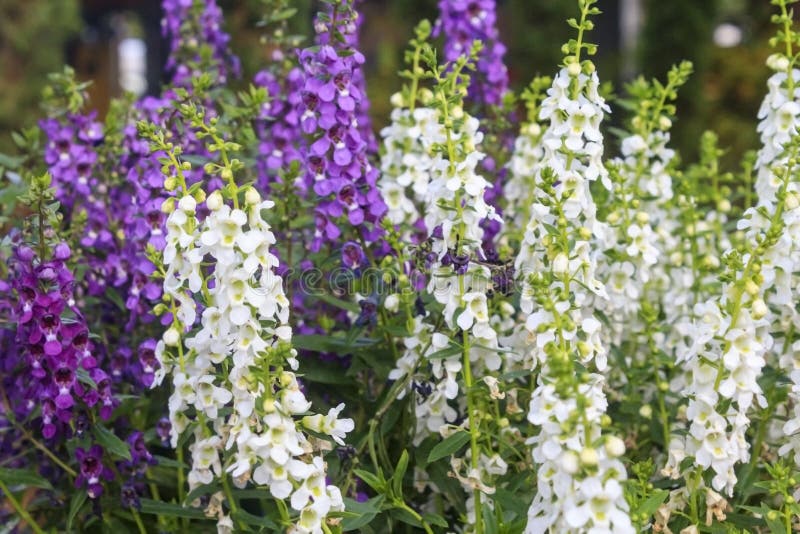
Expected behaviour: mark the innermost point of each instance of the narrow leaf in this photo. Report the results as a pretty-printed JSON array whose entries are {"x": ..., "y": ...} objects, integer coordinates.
[
  {"x": 449, "y": 446},
  {"x": 111, "y": 442},
  {"x": 23, "y": 477},
  {"x": 166, "y": 509}
]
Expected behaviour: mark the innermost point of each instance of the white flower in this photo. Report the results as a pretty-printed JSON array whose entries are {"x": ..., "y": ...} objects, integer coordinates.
[{"x": 330, "y": 424}]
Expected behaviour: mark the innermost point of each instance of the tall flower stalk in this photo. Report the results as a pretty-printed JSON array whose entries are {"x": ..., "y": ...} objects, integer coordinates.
[
  {"x": 580, "y": 474},
  {"x": 337, "y": 168},
  {"x": 233, "y": 374}
]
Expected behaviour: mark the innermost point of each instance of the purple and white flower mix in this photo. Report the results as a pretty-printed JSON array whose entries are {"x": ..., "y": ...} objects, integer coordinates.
[{"x": 583, "y": 347}]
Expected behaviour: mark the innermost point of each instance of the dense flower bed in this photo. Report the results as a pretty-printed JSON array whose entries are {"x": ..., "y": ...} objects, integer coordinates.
[{"x": 238, "y": 306}]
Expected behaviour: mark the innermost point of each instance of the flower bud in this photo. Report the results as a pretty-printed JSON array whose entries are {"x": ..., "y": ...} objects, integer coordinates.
[
  {"x": 533, "y": 129},
  {"x": 646, "y": 411},
  {"x": 286, "y": 379},
  {"x": 759, "y": 308},
  {"x": 560, "y": 263},
  {"x": 664, "y": 123},
  {"x": 168, "y": 206},
  {"x": 171, "y": 337},
  {"x": 615, "y": 447},
  {"x": 200, "y": 196},
  {"x": 569, "y": 462},
  {"x": 589, "y": 457},
  {"x": 170, "y": 183},
  {"x": 724, "y": 205},
  {"x": 214, "y": 201},
  {"x": 226, "y": 174},
  {"x": 792, "y": 200},
  {"x": 751, "y": 287},
  {"x": 396, "y": 100},
  {"x": 392, "y": 303},
  {"x": 573, "y": 69},
  {"x": 778, "y": 62},
  {"x": 251, "y": 197},
  {"x": 187, "y": 204}
]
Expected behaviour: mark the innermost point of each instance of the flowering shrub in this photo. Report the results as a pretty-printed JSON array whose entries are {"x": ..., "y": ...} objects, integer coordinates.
[{"x": 237, "y": 306}]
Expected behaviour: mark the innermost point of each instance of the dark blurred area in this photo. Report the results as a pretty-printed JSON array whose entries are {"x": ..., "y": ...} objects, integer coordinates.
[{"x": 118, "y": 45}]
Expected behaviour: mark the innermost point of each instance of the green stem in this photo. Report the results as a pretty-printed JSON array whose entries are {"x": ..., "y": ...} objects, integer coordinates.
[
  {"x": 23, "y": 513},
  {"x": 181, "y": 482},
  {"x": 138, "y": 519},
  {"x": 787, "y": 35},
  {"x": 226, "y": 487},
  {"x": 415, "y": 514},
  {"x": 474, "y": 426},
  {"x": 67, "y": 469}
]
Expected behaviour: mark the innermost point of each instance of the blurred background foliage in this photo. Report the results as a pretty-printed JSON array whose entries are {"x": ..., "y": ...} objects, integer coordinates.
[{"x": 726, "y": 39}]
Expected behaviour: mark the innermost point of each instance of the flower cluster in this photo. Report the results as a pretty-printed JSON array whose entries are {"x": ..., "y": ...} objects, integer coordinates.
[
  {"x": 337, "y": 167},
  {"x": 349, "y": 24},
  {"x": 280, "y": 138},
  {"x": 56, "y": 350},
  {"x": 197, "y": 43},
  {"x": 559, "y": 288},
  {"x": 527, "y": 154},
  {"x": 445, "y": 174},
  {"x": 235, "y": 373},
  {"x": 463, "y": 22}
]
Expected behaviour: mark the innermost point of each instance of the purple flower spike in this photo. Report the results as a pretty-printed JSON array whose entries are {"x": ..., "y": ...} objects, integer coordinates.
[
  {"x": 331, "y": 108},
  {"x": 53, "y": 344},
  {"x": 464, "y": 21},
  {"x": 188, "y": 26}
]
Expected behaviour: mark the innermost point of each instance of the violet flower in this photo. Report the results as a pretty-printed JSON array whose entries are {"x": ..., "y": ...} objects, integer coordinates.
[
  {"x": 464, "y": 21},
  {"x": 189, "y": 26},
  {"x": 54, "y": 343},
  {"x": 337, "y": 167},
  {"x": 92, "y": 471},
  {"x": 278, "y": 130}
]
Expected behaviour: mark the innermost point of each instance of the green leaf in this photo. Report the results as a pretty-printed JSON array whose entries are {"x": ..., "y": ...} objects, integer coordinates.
[
  {"x": 406, "y": 517},
  {"x": 201, "y": 490},
  {"x": 399, "y": 473},
  {"x": 250, "y": 519},
  {"x": 320, "y": 343},
  {"x": 163, "y": 461},
  {"x": 339, "y": 303},
  {"x": 371, "y": 480},
  {"x": 283, "y": 14},
  {"x": 649, "y": 506},
  {"x": 165, "y": 509},
  {"x": 447, "y": 352},
  {"x": 10, "y": 162},
  {"x": 75, "y": 505},
  {"x": 23, "y": 477},
  {"x": 434, "y": 519},
  {"x": 364, "y": 512},
  {"x": 326, "y": 374},
  {"x": 449, "y": 446},
  {"x": 111, "y": 443}
]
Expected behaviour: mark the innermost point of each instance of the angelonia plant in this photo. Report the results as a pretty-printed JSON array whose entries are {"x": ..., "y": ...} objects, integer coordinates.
[{"x": 243, "y": 305}]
